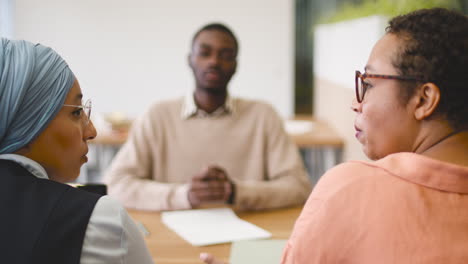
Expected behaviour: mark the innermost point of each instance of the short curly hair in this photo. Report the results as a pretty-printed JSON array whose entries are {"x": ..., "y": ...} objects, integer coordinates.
[{"x": 435, "y": 48}]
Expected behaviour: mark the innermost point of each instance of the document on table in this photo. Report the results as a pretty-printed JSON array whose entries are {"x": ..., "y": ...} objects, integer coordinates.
[
  {"x": 204, "y": 227},
  {"x": 257, "y": 252}
]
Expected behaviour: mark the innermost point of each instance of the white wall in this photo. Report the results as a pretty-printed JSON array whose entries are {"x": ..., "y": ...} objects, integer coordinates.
[
  {"x": 342, "y": 48},
  {"x": 129, "y": 53},
  {"x": 6, "y": 18}
]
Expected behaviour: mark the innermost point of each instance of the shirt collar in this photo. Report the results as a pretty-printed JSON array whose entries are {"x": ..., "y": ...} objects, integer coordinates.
[
  {"x": 32, "y": 166},
  {"x": 428, "y": 172},
  {"x": 190, "y": 109}
]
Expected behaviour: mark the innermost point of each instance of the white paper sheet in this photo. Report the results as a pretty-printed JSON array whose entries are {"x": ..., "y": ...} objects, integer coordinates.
[{"x": 211, "y": 226}]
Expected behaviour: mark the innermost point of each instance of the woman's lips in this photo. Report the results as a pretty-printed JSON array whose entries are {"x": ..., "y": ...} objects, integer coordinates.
[
  {"x": 84, "y": 158},
  {"x": 358, "y": 132}
]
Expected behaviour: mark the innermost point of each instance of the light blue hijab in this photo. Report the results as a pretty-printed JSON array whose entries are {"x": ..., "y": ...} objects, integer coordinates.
[{"x": 34, "y": 82}]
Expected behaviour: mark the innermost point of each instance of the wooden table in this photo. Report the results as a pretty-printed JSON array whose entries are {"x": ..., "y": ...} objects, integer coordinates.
[
  {"x": 321, "y": 135},
  {"x": 167, "y": 247}
]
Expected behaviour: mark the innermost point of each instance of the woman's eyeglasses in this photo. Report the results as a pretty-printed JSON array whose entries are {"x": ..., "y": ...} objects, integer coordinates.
[
  {"x": 86, "y": 110},
  {"x": 361, "y": 85}
]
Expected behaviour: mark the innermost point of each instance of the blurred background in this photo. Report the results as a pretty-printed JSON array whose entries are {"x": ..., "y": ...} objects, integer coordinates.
[{"x": 298, "y": 55}]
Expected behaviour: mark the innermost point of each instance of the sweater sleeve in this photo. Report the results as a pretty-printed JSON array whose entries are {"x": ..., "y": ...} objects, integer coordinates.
[
  {"x": 130, "y": 177},
  {"x": 285, "y": 181}
]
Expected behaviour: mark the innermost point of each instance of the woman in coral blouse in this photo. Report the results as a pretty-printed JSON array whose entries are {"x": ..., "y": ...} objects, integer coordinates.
[{"x": 410, "y": 204}]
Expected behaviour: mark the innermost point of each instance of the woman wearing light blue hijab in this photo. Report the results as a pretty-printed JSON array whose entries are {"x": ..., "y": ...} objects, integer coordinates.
[{"x": 44, "y": 129}]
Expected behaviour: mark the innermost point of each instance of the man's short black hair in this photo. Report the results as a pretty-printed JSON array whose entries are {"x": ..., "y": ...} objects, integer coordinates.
[
  {"x": 435, "y": 48},
  {"x": 217, "y": 27}
]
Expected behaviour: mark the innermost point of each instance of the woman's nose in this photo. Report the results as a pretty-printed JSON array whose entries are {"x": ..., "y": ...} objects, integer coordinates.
[
  {"x": 355, "y": 106},
  {"x": 90, "y": 131}
]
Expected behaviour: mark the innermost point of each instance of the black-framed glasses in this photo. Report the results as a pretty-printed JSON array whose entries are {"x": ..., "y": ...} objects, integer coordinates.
[
  {"x": 86, "y": 109},
  {"x": 361, "y": 85}
]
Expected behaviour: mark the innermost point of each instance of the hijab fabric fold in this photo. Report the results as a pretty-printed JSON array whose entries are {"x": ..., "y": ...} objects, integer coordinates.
[{"x": 34, "y": 82}]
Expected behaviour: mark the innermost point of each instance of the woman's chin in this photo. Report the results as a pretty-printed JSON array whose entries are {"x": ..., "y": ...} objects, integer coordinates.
[
  {"x": 369, "y": 153},
  {"x": 67, "y": 177}
]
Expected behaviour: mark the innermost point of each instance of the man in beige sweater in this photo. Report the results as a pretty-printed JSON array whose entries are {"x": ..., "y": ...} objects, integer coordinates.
[{"x": 209, "y": 147}]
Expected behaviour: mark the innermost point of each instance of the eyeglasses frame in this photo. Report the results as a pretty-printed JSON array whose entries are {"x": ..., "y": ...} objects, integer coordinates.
[
  {"x": 361, "y": 76},
  {"x": 85, "y": 106}
]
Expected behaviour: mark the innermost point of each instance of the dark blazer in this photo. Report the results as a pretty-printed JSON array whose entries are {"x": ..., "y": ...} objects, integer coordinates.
[{"x": 42, "y": 221}]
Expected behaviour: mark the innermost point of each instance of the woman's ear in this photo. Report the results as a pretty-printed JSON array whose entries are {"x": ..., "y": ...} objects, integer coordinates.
[{"x": 428, "y": 98}]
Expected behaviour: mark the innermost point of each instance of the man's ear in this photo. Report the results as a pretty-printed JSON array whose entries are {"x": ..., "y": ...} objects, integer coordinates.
[
  {"x": 427, "y": 97},
  {"x": 189, "y": 60},
  {"x": 235, "y": 67}
]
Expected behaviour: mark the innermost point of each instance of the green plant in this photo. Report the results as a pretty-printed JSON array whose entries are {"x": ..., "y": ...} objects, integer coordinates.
[{"x": 385, "y": 7}]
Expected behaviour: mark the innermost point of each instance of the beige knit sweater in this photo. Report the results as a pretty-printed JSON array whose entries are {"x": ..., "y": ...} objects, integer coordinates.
[{"x": 164, "y": 151}]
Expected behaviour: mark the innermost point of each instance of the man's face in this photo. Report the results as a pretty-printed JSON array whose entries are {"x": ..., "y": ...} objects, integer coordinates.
[{"x": 213, "y": 60}]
